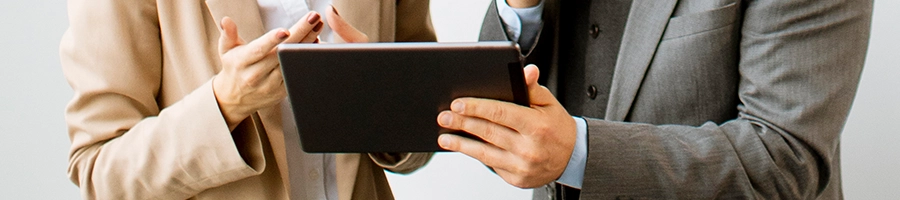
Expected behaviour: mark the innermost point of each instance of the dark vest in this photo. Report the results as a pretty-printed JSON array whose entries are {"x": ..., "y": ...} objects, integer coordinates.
[{"x": 590, "y": 33}]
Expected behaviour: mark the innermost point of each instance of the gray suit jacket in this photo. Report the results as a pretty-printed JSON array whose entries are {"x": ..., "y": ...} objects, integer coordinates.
[{"x": 720, "y": 98}]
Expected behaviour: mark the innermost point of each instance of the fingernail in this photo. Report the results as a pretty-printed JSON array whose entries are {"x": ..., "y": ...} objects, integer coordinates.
[
  {"x": 444, "y": 118},
  {"x": 318, "y": 27},
  {"x": 335, "y": 10},
  {"x": 457, "y": 106},
  {"x": 317, "y": 41},
  {"x": 281, "y": 35},
  {"x": 444, "y": 141},
  {"x": 313, "y": 18}
]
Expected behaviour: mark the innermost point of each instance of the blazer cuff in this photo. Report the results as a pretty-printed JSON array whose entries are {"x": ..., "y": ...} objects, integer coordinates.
[
  {"x": 402, "y": 163},
  {"x": 220, "y": 156}
]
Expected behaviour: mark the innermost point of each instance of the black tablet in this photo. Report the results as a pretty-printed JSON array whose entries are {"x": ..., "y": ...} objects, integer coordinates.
[{"x": 385, "y": 97}]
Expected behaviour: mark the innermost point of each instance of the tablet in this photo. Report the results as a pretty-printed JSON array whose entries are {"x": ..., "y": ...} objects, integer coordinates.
[{"x": 385, "y": 97}]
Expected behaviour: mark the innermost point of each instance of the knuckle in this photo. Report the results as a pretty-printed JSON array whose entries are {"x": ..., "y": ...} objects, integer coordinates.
[
  {"x": 251, "y": 79},
  {"x": 481, "y": 154},
  {"x": 489, "y": 133},
  {"x": 258, "y": 51},
  {"x": 532, "y": 157},
  {"x": 458, "y": 122},
  {"x": 542, "y": 129},
  {"x": 497, "y": 113}
]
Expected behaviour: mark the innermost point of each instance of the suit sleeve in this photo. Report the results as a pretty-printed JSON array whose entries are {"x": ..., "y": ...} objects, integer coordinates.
[
  {"x": 125, "y": 146},
  {"x": 413, "y": 25},
  {"x": 799, "y": 67}
]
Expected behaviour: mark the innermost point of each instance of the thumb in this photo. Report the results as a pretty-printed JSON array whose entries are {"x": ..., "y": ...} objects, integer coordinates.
[
  {"x": 532, "y": 73},
  {"x": 228, "y": 38},
  {"x": 344, "y": 29},
  {"x": 537, "y": 94}
]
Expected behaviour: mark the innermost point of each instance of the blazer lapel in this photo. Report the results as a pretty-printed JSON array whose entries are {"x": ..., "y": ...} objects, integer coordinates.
[
  {"x": 646, "y": 22},
  {"x": 245, "y": 14},
  {"x": 347, "y": 168},
  {"x": 375, "y": 18}
]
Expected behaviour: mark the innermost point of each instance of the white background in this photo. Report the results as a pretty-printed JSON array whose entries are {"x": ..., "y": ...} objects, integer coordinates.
[{"x": 34, "y": 144}]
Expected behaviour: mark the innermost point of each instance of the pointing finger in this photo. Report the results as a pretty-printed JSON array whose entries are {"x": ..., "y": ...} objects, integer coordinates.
[
  {"x": 310, "y": 24},
  {"x": 264, "y": 45}
]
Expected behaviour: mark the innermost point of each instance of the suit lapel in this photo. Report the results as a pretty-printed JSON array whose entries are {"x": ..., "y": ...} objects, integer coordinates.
[
  {"x": 646, "y": 22},
  {"x": 245, "y": 14}
]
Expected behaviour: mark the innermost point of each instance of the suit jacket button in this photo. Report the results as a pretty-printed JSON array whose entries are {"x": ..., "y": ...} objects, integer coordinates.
[
  {"x": 592, "y": 92},
  {"x": 595, "y": 30}
]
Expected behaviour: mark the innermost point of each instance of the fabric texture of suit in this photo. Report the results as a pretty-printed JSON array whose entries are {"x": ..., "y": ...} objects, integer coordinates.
[
  {"x": 144, "y": 122},
  {"x": 733, "y": 99}
]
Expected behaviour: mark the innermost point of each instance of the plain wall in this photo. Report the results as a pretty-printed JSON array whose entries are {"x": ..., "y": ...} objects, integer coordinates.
[{"x": 34, "y": 143}]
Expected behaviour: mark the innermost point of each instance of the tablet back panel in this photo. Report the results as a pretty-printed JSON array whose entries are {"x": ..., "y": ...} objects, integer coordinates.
[{"x": 385, "y": 97}]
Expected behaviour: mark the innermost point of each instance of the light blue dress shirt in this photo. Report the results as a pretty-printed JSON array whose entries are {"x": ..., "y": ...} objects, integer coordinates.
[{"x": 522, "y": 26}]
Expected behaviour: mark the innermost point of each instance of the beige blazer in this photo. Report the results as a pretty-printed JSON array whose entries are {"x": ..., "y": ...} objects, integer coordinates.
[{"x": 144, "y": 122}]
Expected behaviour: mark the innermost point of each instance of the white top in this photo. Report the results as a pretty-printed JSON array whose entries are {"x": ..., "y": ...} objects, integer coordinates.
[{"x": 312, "y": 176}]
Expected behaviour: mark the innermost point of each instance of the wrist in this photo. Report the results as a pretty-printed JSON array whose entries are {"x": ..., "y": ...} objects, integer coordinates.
[
  {"x": 231, "y": 110},
  {"x": 522, "y": 3}
]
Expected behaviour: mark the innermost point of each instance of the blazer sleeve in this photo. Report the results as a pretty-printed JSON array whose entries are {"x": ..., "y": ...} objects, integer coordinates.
[
  {"x": 125, "y": 146},
  {"x": 413, "y": 25},
  {"x": 800, "y": 63}
]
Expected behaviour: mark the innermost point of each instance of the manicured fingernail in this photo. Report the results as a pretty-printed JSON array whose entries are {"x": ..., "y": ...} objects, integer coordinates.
[
  {"x": 457, "y": 106},
  {"x": 281, "y": 35},
  {"x": 335, "y": 10},
  {"x": 444, "y": 141},
  {"x": 318, "y": 27},
  {"x": 313, "y": 18},
  {"x": 444, "y": 118}
]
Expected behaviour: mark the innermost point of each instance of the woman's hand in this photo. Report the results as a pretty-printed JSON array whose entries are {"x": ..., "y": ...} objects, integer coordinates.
[
  {"x": 307, "y": 29},
  {"x": 246, "y": 84}
]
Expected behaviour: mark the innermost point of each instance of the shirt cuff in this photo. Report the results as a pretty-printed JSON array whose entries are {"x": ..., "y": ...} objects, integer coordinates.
[
  {"x": 573, "y": 176},
  {"x": 522, "y": 24}
]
